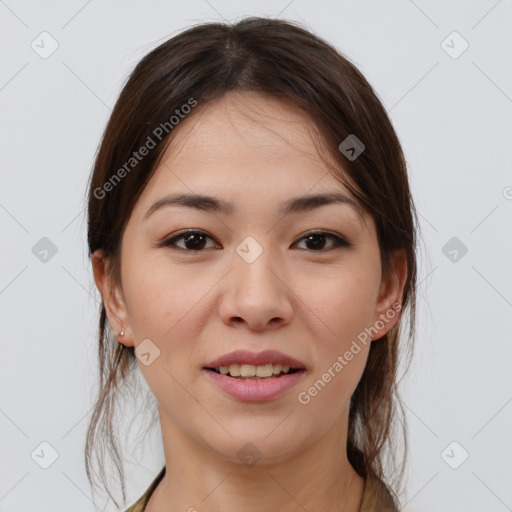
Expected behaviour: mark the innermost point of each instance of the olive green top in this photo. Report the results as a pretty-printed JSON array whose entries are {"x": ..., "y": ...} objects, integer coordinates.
[{"x": 376, "y": 497}]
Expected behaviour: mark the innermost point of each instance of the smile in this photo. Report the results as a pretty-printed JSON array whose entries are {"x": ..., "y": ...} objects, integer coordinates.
[
  {"x": 254, "y": 388},
  {"x": 251, "y": 371}
]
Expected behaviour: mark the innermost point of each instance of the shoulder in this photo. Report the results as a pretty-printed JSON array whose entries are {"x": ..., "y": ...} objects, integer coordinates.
[
  {"x": 377, "y": 497},
  {"x": 141, "y": 503}
]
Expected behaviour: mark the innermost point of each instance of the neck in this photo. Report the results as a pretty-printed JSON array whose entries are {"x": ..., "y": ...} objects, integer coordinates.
[{"x": 318, "y": 478}]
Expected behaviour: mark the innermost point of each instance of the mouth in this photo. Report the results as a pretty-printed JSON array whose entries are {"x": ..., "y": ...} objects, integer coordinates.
[
  {"x": 247, "y": 385},
  {"x": 246, "y": 365},
  {"x": 255, "y": 372},
  {"x": 250, "y": 377}
]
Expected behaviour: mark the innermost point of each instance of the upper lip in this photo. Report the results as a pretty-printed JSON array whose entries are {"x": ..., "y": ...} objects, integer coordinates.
[{"x": 257, "y": 359}]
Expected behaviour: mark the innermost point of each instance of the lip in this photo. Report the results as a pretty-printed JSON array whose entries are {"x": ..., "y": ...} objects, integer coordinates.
[
  {"x": 260, "y": 358},
  {"x": 255, "y": 390}
]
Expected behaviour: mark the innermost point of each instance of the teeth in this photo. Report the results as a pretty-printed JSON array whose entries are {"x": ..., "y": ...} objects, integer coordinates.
[
  {"x": 265, "y": 371},
  {"x": 234, "y": 370},
  {"x": 247, "y": 370},
  {"x": 251, "y": 370}
]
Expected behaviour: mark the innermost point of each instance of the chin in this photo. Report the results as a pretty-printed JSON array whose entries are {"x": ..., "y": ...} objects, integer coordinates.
[{"x": 255, "y": 446}]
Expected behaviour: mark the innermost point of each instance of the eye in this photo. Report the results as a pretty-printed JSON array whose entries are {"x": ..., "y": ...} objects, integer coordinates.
[
  {"x": 194, "y": 241},
  {"x": 316, "y": 240}
]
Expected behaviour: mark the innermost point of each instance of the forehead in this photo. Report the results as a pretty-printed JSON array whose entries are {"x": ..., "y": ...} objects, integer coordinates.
[
  {"x": 239, "y": 124},
  {"x": 246, "y": 144}
]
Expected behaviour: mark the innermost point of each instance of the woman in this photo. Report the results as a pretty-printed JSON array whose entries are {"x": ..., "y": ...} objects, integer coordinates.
[{"x": 252, "y": 236}]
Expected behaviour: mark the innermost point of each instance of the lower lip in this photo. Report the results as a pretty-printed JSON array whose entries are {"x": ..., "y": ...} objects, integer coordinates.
[{"x": 255, "y": 390}]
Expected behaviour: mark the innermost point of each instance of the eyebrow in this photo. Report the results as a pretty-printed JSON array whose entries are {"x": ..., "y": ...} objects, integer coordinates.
[{"x": 295, "y": 205}]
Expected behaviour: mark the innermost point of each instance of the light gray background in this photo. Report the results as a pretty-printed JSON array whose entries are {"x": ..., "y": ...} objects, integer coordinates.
[{"x": 453, "y": 118}]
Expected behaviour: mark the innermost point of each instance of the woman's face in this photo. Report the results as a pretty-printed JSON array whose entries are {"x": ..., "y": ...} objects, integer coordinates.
[{"x": 255, "y": 282}]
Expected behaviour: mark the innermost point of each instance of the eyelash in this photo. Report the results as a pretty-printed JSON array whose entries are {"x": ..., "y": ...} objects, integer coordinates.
[{"x": 339, "y": 242}]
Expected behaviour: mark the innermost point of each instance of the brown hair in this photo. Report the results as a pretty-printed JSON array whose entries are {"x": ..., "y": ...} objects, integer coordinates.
[{"x": 288, "y": 62}]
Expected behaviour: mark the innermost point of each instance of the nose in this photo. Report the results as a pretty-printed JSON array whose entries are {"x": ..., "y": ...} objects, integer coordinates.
[{"x": 257, "y": 294}]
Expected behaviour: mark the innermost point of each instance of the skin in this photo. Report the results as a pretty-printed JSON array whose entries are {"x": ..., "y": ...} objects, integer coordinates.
[{"x": 255, "y": 152}]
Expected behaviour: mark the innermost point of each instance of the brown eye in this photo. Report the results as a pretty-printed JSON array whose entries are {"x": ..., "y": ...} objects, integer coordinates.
[
  {"x": 315, "y": 241},
  {"x": 192, "y": 240},
  {"x": 195, "y": 241}
]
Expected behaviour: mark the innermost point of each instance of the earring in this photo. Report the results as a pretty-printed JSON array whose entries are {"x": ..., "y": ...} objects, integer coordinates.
[{"x": 121, "y": 334}]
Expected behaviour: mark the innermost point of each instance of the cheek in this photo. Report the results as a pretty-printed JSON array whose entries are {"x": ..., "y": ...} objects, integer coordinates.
[
  {"x": 159, "y": 296},
  {"x": 166, "y": 304},
  {"x": 163, "y": 306},
  {"x": 342, "y": 309},
  {"x": 340, "y": 306}
]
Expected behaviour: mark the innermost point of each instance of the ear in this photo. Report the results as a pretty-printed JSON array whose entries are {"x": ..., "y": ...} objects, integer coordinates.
[
  {"x": 389, "y": 309},
  {"x": 112, "y": 298}
]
